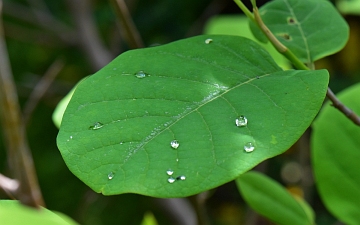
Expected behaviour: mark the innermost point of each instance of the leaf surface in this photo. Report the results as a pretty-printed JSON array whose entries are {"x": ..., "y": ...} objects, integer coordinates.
[
  {"x": 311, "y": 29},
  {"x": 14, "y": 213},
  {"x": 335, "y": 145},
  {"x": 117, "y": 130},
  {"x": 271, "y": 200}
]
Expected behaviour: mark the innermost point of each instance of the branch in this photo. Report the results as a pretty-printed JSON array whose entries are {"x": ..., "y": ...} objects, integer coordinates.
[
  {"x": 90, "y": 40},
  {"x": 41, "y": 88},
  {"x": 133, "y": 37},
  {"x": 296, "y": 61},
  {"x": 19, "y": 155},
  {"x": 342, "y": 108}
]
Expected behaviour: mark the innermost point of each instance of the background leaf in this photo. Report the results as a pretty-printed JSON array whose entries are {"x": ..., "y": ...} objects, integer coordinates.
[
  {"x": 271, "y": 200},
  {"x": 117, "y": 129},
  {"x": 312, "y": 29},
  {"x": 14, "y": 213},
  {"x": 239, "y": 25},
  {"x": 335, "y": 153}
]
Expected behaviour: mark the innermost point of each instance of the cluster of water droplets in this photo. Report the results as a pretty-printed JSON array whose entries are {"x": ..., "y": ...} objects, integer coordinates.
[
  {"x": 171, "y": 179},
  {"x": 242, "y": 121}
]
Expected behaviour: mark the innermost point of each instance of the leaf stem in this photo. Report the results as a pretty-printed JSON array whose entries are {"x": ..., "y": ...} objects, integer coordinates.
[{"x": 245, "y": 10}]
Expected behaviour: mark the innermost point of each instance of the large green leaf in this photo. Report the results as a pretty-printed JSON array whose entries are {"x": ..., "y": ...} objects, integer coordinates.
[
  {"x": 336, "y": 153},
  {"x": 311, "y": 29},
  {"x": 13, "y": 213},
  {"x": 117, "y": 129},
  {"x": 271, "y": 200}
]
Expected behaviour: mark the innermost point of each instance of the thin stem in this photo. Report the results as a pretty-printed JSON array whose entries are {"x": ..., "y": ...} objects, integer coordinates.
[
  {"x": 133, "y": 36},
  {"x": 340, "y": 106},
  {"x": 19, "y": 155},
  {"x": 245, "y": 10},
  {"x": 41, "y": 88}
]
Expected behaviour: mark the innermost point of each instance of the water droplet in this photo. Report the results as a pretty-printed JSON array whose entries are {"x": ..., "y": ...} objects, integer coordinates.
[
  {"x": 181, "y": 177},
  {"x": 70, "y": 137},
  {"x": 174, "y": 144},
  {"x": 121, "y": 143},
  {"x": 169, "y": 172},
  {"x": 177, "y": 160},
  {"x": 241, "y": 121},
  {"x": 208, "y": 41},
  {"x": 249, "y": 147},
  {"x": 96, "y": 126},
  {"x": 171, "y": 180},
  {"x": 140, "y": 74},
  {"x": 111, "y": 175}
]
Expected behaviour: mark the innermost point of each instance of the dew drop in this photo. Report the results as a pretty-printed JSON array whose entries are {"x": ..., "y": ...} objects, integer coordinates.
[
  {"x": 96, "y": 126},
  {"x": 181, "y": 177},
  {"x": 171, "y": 180},
  {"x": 110, "y": 175},
  {"x": 70, "y": 137},
  {"x": 174, "y": 144},
  {"x": 241, "y": 121},
  {"x": 249, "y": 147},
  {"x": 208, "y": 41},
  {"x": 140, "y": 74},
  {"x": 121, "y": 143},
  {"x": 169, "y": 172}
]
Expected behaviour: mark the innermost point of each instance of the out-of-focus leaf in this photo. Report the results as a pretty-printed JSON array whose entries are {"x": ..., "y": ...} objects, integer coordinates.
[
  {"x": 271, "y": 200},
  {"x": 335, "y": 145}
]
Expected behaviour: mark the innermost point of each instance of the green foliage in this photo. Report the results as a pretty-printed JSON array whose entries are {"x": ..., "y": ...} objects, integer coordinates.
[
  {"x": 311, "y": 29},
  {"x": 116, "y": 131},
  {"x": 335, "y": 150},
  {"x": 271, "y": 200},
  {"x": 14, "y": 213}
]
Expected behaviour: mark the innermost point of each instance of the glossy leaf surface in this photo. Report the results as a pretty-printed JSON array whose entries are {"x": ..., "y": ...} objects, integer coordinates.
[
  {"x": 174, "y": 108},
  {"x": 271, "y": 200},
  {"x": 335, "y": 153},
  {"x": 311, "y": 29}
]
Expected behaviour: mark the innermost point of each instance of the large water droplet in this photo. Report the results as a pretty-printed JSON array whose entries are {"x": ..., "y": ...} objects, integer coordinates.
[
  {"x": 241, "y": 121},
  {"x": 111, "y": 175},
  {"x": 174, "y": 144},
  {"x": 249, "y": 147},
  {"x": 96, "y": 126},
  {"x": 208, "y": 41},
  {"x": 181, "y": 177},
  {"x": 140, "y": 74},
  {"x": 169, "y": 172},
  {"x": 171, "y": 180}
]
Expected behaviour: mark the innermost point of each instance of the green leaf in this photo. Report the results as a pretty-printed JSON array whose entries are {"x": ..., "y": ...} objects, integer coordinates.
[
  {"x": 311, "y": 29},
  {"x": 335, "y": 154},
  {"x": 14, "y": 213},
  {"x": 117, "y": 129},
  {"x": 271, "y": 200},
  {"x": 238, "y": 25}
]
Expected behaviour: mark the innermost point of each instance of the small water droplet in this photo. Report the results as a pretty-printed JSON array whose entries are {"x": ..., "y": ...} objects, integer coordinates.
[
  {"x": 181, "y": 177},
  {"x": 249, "y": 147},
  {"x": 171, "y": 180},
  {"x": 111, "y": 175},
  {"x": 140, "y": 74},
  {"x": 174, "y": 144},
  {"x": 177, "y": 160},
  {"x": 169, "y": 172},
  {"x": 208, "y": 41},
  {"x": 70, "y": 137},
  {"x": 241, "y": 121},
  {"x": 96, "y": 126},
  {"x": 121, "y": 143}
]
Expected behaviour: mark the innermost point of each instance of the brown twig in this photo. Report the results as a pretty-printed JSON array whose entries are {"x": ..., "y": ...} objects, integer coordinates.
[
  {"x": 41, "y": 88},
  {"x": 342, "y": 108},
  {"x": 133, "y": 37},
  {"x": 90, "y": 40},
  {"x": 19, "y": 155}
]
